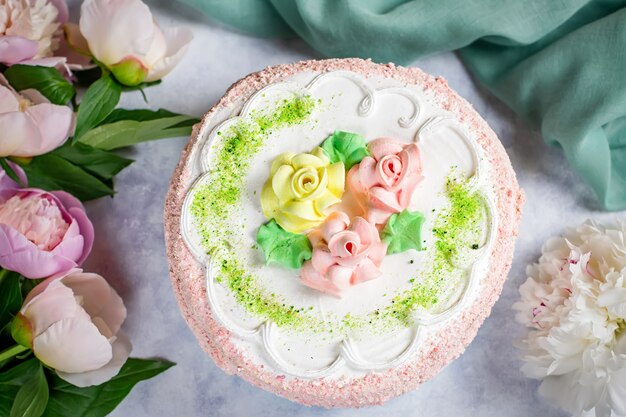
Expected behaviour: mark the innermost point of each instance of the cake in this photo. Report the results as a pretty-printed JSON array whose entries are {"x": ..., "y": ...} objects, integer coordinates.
[{"x": 338, "y": 230}]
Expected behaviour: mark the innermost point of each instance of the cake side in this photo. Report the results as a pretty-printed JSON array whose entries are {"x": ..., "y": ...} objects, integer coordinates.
[{"x": 189, "y": 283}]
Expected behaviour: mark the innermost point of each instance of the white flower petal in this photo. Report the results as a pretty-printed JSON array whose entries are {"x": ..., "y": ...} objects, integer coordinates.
[
  {"x": 177, "y": 41},
  {"x": 121, "y": 351},
  {"x": 73, "y": 345},
  {"x": 8, "y": 100},
  {"x": 34, "y": 96},
  {"x": 574, "y": 302},
  {"x": 16, "y": 128},
  {"x": 54, "y": 124},
  {"x": 116, "y": 29},
  {"x": 100, "y": 300},
  {"x": 55, "y": 303}
]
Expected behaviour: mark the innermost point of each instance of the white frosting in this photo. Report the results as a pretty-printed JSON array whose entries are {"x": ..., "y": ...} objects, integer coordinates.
[{"x": 372, "y": 107}]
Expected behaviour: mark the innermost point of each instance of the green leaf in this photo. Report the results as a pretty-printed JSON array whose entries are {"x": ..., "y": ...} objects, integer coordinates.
[
  {"x": 11, "y": 381},
  {"x": 103, "y": 164},
  {"x": 140, "y": 86},
  {"x": 11, "y": 299},
  {"x": 130, "y": 132},
  {"x": 32, "y": 397},
  {"x": 403, "y": 231},
  {"x": 98, "y": 401},
  {"x": 345, "y": 147},
  {"x": 51, "y": 172},
  {"x": 19, "y": 374},
  {"x": 28, "y": 284},
  {"x": 141, "y": 115},
  {"x": 48, "y": 81},
  {"x": 283, "y": 247},
  {"x": 98, "y": 102},
  {"x": 7, "y": 395}
]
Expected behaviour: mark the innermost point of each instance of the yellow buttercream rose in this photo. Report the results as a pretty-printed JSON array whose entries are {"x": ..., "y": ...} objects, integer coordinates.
[{"x": 301, "y": 188}]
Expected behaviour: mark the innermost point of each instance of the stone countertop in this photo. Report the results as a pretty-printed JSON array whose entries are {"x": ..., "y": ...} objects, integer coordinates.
[{"x": 130, "y": 251}]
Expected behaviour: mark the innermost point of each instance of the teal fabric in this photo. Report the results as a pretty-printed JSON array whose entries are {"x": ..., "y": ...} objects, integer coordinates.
[{"x": 561, "y": 64}]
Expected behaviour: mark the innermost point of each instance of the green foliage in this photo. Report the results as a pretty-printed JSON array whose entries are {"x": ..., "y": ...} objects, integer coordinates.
[
  {"x": 283, "y": 247},
  {"x": 346, "y": 147},
  {"x": 403, "y": 231},
  {"x": 48, "y": 81}
]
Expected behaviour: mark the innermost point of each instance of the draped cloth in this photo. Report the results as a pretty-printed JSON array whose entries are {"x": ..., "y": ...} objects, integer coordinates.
[{"x": 560, "y": 64}]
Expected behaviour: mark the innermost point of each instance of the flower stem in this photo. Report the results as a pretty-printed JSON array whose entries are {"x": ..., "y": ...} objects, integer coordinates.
[
  {"x": 3, "y": 274},
  {"x": 12, "y": 351}
]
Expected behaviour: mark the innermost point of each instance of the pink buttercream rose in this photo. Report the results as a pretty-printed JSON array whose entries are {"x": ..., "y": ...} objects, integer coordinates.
[
  {"x": 383, "y": 183},
  {"x": 41, "y": 233},
  {"x": 344, "y": 254},
  {"x": 73, "y": 325}
]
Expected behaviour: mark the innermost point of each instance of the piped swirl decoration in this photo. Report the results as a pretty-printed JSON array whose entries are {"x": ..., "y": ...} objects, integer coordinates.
[
  {"x": 217, "y": 277},
  {"x": 345, "y": 253},
  {"x": 383, "y": 183},
  {"x": 301, "y": 188}
]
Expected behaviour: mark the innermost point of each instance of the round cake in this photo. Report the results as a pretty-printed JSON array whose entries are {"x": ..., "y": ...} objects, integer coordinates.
[{"x": 338, "y": 230}]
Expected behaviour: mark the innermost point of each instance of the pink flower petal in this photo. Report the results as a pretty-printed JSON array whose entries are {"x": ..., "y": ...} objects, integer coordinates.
[
  {"x": 64, "y": 13},
  {"x": 54, "y": 124},
  {"x": 17, "y": 128},
  {"x": 364, "y": 229},
  {"x": 377, "y": 252},
  {"x": 340, "y": 276},
  {"x": 51, "y": 62},
  {"x": 55, "y": 302},
  {"x": 368, "y": 174},
  {"x": 381, "y": 205},
  {"x": 19, "y": 254},
  {"x": 384, "y": 146},
  {"x": 14, "y": 49},
  {"x": 335, "y": 223},
  {"x": 6, "y": 183},
  {"x": 344, "y": 244},
  {"x": 8, "y": 101},
  {"x": 408, "y": 187},
  {"x": 365, "y": 271},
  {"x": 321, "y": 259},
  {"x": 313, "y": 279}
]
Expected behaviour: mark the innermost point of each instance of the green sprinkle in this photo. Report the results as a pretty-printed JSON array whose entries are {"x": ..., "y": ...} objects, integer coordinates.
[
  {"x": 460, "y": 222},
  {"x": 215, "y": 201}
]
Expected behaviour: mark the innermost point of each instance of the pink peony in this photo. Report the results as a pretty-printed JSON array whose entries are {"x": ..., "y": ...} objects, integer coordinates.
[
  {"x": 344, "y": 253},
  {"x": 73, "y": 325},
  {"x": 30, "y": 124},
  {"x": 41, "y": 233},
  {"x": 384, "y": 182},
  {"x": 30, "y": 30}
]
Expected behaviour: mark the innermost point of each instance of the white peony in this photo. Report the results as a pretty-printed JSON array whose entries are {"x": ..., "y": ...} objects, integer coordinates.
[{"x": 574, "y": 301}]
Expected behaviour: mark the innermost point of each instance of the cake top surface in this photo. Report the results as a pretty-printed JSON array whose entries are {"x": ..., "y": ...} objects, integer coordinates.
[{"x": 341, "y": 218}]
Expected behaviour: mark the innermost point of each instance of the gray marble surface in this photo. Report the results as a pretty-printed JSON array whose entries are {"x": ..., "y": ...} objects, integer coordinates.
[{"x": 130, "y": 250}]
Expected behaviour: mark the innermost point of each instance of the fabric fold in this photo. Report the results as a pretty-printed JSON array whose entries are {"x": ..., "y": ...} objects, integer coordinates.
[{"x": 561, "y": 65}]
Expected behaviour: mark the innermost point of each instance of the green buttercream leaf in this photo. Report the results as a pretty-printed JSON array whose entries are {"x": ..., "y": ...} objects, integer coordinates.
[
  {"x": 346, "y": 147},
  {"x": 403, "y": 231},
  {"x": 283, "y": 247}
]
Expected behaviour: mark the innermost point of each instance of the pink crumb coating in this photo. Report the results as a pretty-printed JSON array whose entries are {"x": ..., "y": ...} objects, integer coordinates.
[{"x": 454, "y": 336}]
